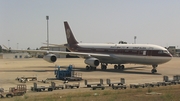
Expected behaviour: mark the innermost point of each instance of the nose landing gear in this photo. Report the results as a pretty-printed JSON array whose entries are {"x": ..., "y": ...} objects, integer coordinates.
[{"x": 154, "y": 69}]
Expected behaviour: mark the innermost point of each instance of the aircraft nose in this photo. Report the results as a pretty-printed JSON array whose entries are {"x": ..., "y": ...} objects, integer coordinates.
[{"x": 170, "y": 55}]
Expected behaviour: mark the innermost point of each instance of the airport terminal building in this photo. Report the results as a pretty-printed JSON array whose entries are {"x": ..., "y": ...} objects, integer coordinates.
[
  {"x": 14, "y": 55},
  {"x": 175, "y": 52}
]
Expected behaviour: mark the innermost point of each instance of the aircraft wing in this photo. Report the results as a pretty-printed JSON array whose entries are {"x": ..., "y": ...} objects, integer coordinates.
[
  {"x": 101, "y": 57},
  {"x": 80, "y": 54}
]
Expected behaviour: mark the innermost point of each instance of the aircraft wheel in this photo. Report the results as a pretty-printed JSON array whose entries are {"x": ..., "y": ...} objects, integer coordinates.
[
  {"x": 122, "y": 66},
  {"x": 91, "y": 68},
  {"x": 119, "y": 67},
  {"x": 153, "y": 71},
  {"x": 87, "y": 67},
  {"x": 103, "y": 67},
  {"x": 1, "y": 96},
  {"x": 115, "y": 67},
  {"x": 94, "y": 68},
  {"x": 154, "y": 68}
]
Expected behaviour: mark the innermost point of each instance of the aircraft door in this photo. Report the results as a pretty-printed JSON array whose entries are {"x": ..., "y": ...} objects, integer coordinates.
[{"x": 144, "y": 53}]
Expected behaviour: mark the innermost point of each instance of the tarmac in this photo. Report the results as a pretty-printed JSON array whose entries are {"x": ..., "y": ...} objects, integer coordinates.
[{"x": 10, "y": 69}]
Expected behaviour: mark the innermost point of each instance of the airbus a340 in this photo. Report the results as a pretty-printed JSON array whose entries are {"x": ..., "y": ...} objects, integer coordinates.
[{"x": 104, "y": 54}]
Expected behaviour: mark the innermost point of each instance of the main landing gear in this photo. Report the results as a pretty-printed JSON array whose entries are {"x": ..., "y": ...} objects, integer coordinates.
[
  {"x": 90, "y": 68},
  {"x": 154, "y": 69},
  {"x": 104, "y": 66},
  {"x": 120, "y": 67}
]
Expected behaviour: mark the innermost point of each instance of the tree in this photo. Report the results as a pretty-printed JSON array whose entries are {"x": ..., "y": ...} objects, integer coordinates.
[
  {"x": 0, "y": 49},
  {"x": 122, "y": 42}
]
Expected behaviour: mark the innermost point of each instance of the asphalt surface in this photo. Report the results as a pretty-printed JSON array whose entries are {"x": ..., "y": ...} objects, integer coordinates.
[{"x": 10, "y": 69}]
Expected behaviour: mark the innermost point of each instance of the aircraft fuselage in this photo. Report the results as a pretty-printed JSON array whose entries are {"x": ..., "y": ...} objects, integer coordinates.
[{"x": 126, "y": 53}]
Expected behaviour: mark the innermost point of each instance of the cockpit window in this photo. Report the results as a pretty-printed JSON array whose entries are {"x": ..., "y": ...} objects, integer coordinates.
[
  {"x": 162, "y": 51},
  {"x": 165, "y": 51}
]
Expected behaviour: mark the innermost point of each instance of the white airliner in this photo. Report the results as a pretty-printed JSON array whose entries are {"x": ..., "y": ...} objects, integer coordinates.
[{"x": 104, "y": 54}]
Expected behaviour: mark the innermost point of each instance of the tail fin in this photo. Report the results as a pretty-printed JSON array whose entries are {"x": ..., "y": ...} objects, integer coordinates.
[
  {"x": 5, "y": 47},
  {"x": 69, "y": 35}
]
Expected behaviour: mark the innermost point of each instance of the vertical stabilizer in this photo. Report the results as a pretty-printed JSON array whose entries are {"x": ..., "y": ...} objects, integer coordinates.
[{"x": 69, "y": 35}]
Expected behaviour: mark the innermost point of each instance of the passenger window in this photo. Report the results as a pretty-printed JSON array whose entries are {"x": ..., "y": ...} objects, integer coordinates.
[
  {"x": 126, "y": 50},
  {"x": 160, "y": 52}
]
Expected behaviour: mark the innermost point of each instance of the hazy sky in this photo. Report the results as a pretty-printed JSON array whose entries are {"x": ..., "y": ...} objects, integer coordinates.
[{"x": 152, "y": 21}]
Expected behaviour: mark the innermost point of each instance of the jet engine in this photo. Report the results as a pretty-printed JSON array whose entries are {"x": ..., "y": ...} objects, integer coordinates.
[
  {"x": 92, "y": 62},
  {"x": 50, "y": 58}
]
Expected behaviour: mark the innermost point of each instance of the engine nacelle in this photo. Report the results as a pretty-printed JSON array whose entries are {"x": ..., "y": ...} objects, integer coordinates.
[
  {"x": 50, "y": 58},
  {"x": 92, "y": 62}
]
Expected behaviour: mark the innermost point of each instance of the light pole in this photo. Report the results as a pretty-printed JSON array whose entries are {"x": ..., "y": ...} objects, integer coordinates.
[
  {"x": 135, "y": 39},
  {"x": 8, "y": 43},
  {"x": 17, "y": 45},
  {"x": 47, "y": 18}
]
